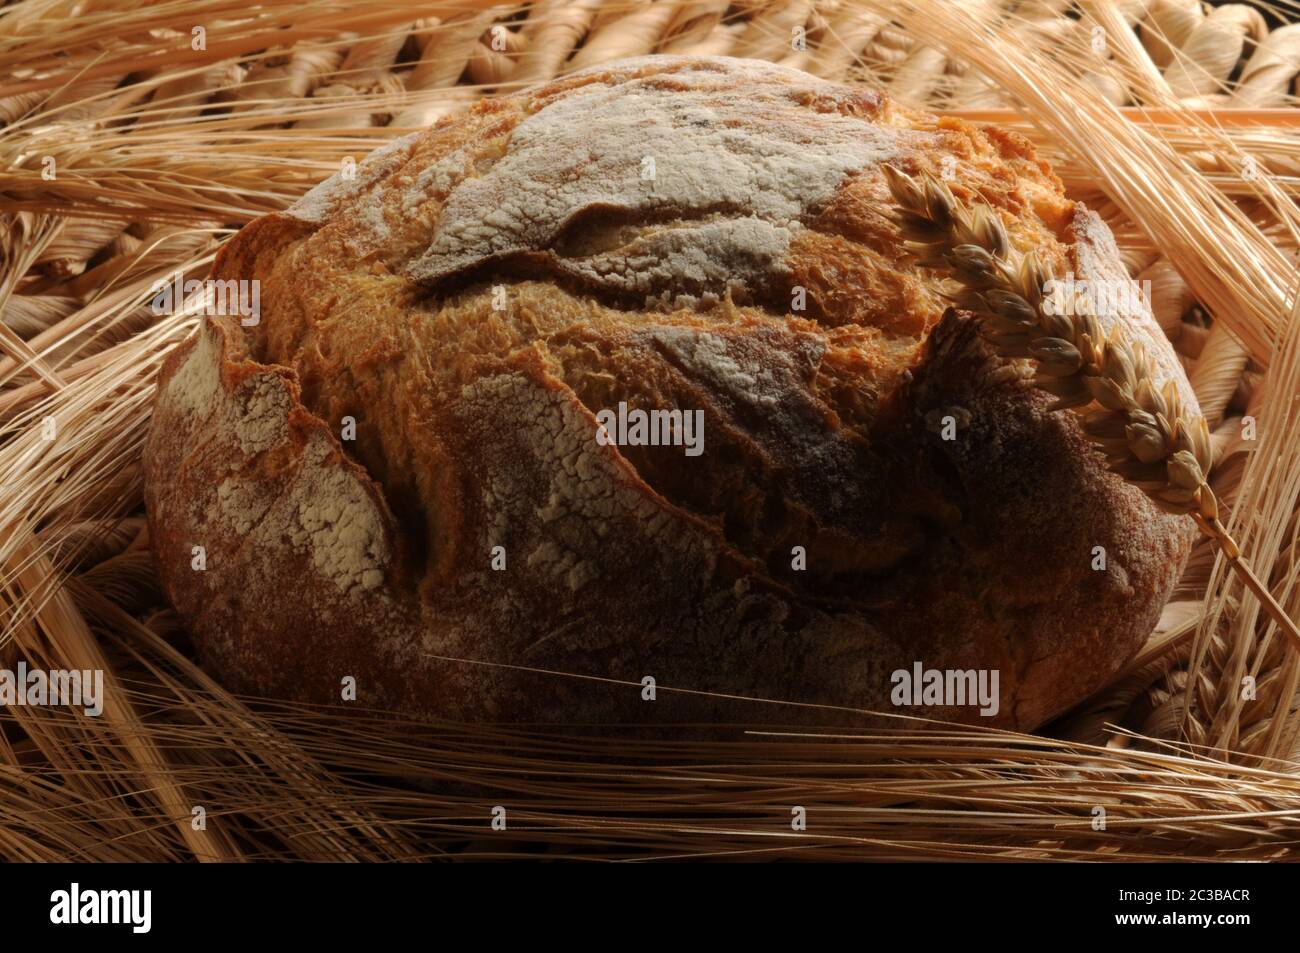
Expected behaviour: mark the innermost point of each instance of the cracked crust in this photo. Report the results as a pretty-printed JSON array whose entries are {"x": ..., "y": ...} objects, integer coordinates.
[{"x": 478, "y": 292}]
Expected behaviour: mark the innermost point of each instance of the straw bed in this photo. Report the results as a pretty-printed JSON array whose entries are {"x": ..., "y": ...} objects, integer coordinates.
[{"x": 132, "y": 146}]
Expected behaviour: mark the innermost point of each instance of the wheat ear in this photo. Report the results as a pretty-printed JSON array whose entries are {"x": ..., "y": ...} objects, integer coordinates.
[{"x": 1148, "y": 436}]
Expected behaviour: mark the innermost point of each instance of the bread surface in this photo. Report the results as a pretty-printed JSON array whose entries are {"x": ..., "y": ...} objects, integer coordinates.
[{"x": 418, "y": 407}]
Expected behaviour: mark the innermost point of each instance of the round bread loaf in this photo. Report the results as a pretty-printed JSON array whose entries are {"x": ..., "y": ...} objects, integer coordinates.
[{"x": 629, "y": 376}]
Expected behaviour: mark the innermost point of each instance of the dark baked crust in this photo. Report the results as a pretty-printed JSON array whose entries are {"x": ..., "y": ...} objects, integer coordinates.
[{"x": 476, "y": 428}]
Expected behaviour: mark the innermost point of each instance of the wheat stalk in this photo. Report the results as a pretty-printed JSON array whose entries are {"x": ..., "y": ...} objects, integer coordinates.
[{"x": 1148, "y": 436}]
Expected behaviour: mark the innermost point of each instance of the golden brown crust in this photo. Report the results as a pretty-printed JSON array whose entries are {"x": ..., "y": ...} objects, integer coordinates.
[{"x": 478, "y": 293}]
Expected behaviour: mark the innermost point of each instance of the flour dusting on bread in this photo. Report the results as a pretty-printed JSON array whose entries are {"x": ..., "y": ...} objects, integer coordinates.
[
  {"x": 336, "y": 522},
  {"x": 725, "y": 173},
  {"x": 317, "y": 204}
]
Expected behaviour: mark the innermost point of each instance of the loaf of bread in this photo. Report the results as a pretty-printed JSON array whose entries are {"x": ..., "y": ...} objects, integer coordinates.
[{"x": 619, "y": 400}]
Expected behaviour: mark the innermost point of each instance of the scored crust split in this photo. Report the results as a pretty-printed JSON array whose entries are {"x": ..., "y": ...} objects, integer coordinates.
[{"x": 697, "y": 234}]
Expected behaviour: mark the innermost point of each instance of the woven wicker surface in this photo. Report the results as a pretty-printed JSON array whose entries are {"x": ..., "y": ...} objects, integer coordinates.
[{"x": 135, "y": 138}]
